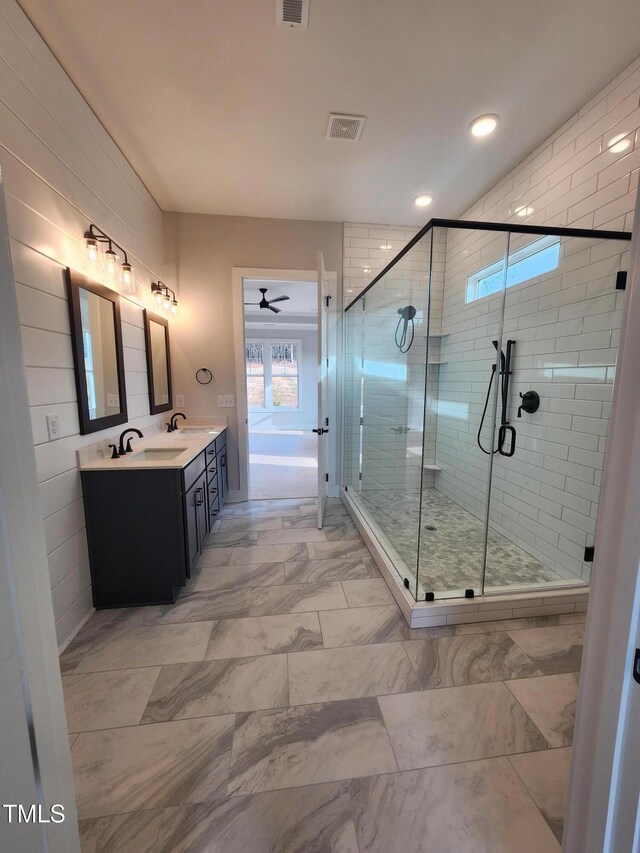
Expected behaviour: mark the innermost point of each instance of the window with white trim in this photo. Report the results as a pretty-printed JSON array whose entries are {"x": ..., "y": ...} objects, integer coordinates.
[
  {"x": 273, "y": 381},
  {"x": 536, "y": 259}
]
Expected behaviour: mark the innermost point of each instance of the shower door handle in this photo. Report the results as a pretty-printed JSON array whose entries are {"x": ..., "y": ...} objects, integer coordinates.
[
  {"x": 320, "y": 431},
  {"x": 502, "y": 434}
]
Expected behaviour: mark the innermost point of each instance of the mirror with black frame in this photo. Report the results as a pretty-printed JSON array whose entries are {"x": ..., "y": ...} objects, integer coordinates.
[
  {"x": 96, "y": 337},
  {"x": 158, "y": 363}
]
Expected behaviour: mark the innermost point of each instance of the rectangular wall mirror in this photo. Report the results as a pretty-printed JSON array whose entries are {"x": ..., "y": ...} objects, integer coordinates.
[
  {"x": 96, "y": 337},
  {"x": 158, "y": 363}
]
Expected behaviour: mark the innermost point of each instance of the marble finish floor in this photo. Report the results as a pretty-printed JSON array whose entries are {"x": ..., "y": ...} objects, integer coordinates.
[
  {"x": 451, "y": 544},
  {"x": 282, "y": 705}
]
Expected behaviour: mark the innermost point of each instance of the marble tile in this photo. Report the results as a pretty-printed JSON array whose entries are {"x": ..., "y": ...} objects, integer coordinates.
[
  {"x": 107, "y": 700},
  {"x": 251, "y": 510},
  {"x": 553, "y": 650},
  {"x": 233, "y": 539},
  {"x": 471, "y": 659},
  {"x": 71, "y": 657},
  {"x": 301, "y": 522},
  {"x": 145, "y": 767},
  {"x": 360, "y": 626},
  {"x": 253, "y": 523},
  {"x": 349, "y": 673},
  {"x": 148, "y": 646},
  {"x": 191, "y": 606},
  {"x": 264, "y": 635},
  {"x": 546, "y": 776},
  {"x": 365, "y": 593},
  {"x": 341, "y": 548},
  {"x": 550, "y": 701},
  {"x": 517, "y": 624},
  {"x": 72, "y": 739},
  {"x": 277, "y": 537},
  {"x": 136, "y": 832},
  {"x": 218, "y": 687},
  {"x": 270, "y": 553},
  {"x": 297, "y": 598},
  {"x": 336, "y": 569},
  {"x": 309, "y": 744},
  {"x": 313, "y": 819},
  {"x": 340, "y": 530},
  {"x": 478, "y": 807},
  {"x": 457, "y": 724},
  {"x": 237, "y": 577}
]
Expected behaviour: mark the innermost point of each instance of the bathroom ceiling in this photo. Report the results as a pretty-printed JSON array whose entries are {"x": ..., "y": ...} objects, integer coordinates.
[{"x": 220, "y": 111}]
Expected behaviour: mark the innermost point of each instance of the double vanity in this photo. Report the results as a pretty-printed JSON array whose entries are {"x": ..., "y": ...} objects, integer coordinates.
[{"x": 148, "y": 513}]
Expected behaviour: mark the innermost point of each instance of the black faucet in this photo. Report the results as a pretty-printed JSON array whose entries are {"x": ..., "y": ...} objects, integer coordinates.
[
  {"x": 171, "y": 426},
  {"x": 122, "y": 449}
]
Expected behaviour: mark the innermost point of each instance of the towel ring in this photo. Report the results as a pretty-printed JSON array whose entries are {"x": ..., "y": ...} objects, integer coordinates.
[{"x": 207, "y": 373}]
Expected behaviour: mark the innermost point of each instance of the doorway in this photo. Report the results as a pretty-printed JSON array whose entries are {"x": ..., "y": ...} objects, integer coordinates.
[{"x": 281, "y": 345}]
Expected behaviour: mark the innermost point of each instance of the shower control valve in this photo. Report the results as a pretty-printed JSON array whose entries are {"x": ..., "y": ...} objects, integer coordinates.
[{"x": 530, "y": 402}]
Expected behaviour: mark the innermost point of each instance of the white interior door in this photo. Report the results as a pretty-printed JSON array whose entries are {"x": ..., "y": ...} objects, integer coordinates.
[{"x": 323, "y": 394}]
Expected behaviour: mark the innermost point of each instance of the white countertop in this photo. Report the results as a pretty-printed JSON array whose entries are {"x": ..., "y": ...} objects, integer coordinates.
[{"x": 190, "y": 440}]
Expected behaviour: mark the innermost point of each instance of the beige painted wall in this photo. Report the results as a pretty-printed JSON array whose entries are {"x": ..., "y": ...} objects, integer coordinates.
[{"x": 200, "y": 253}]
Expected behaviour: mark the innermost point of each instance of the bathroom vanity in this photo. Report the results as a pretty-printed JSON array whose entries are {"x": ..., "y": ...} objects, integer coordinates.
[{"x": 148, "y": 514}]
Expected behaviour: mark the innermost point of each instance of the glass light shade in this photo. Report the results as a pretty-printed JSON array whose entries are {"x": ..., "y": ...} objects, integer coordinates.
[
  {"x": 166, "y": 302},
  {"x": 174, "y": 306},
  {"x": 92, "y": 250},
  {"x": 110, "y": 263},
  {"x": 157, "y": 293},
  {"x": 127, "y": 278}
]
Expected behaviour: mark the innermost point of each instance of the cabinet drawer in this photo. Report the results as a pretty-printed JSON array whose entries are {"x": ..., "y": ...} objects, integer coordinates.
[
  {"x": 210, "y": 451},
  {"x": 221, "y": 441},
  {"x": 193, "y": 470},
  {"x": 212, "y": 472},
  {"x": 214, "y": 507}
]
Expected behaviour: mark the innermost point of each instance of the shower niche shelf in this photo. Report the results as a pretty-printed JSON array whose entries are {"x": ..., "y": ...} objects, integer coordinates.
[
  {"x": 437, "y": 361},
  {"x": 437, "y": 334},
  {"x": 431, "y": 466}
]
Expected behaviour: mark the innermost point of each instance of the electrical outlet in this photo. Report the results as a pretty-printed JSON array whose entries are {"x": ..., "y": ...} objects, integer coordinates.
[
  {"x": 53, "y": 427},
  {"x": 180, "y": 401},
  {"x": 226, "y": 401}
]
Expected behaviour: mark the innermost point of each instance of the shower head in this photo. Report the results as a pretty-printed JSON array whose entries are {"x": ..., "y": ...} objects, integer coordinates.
[{"x": 408, "y": 313}]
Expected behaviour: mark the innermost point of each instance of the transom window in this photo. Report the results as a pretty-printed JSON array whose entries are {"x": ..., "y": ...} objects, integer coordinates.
[
  {"x": 540, "y": 257},
  {"x": 272, "y": 375}
]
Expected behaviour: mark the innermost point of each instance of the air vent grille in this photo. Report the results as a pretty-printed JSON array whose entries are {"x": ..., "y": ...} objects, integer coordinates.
[
  {"x": 345, "y": 126},
  {"x": 292, "y": 13}
]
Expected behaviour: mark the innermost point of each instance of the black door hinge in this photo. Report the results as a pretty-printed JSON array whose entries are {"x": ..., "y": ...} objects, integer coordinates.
[
  {"x": 589, "y": 553},
  {"x": 326, "y": 300},
  {"x": 326, "y": 421},
  {"x": 636, "y": 666},
  {"x": 621, "y": 280},
  {"x": 361, "y": 421},
  {"x": 326, "y": 478},
  {"x": 360, "y": 476}
]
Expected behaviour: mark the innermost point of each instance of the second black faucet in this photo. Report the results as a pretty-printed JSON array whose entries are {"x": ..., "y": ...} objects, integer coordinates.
[
  {"x": 171, "y": 425},
  {"x": 122, "y": 449}
]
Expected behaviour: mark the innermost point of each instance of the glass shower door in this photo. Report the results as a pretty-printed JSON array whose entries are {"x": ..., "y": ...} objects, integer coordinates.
[
  {"x": 462, "y": 392},
  {"x": 562, "y": 313}
]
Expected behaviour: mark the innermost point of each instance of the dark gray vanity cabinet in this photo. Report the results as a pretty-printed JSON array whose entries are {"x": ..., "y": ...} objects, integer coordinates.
[
  {"x": 136, "y": 535},
  {"x": 146, "y": 528}
]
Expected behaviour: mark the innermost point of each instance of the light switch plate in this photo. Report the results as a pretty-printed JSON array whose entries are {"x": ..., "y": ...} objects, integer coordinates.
[
  {"x": 180, "y": 401},
  {"x": 226, "y": 401},
  {"x": 53, "y": 427}
]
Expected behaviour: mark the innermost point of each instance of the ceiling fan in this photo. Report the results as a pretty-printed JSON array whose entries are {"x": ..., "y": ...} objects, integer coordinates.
[{"x": 267, "y": 303}]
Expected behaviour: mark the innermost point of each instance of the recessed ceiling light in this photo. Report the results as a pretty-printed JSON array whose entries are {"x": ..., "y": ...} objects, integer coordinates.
[
  {"x": 619, "y": 143},
  {"x": 423, "y": 200},
  {"x": 524, "y": 210},
  {"x": 483, "y": 125}
]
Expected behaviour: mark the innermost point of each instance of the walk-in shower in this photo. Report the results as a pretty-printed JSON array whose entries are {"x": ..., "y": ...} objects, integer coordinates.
[{"x": 479, "y": 367}]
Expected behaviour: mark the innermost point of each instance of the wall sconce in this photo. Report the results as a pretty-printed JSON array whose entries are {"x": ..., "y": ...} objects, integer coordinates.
[
  {"x": 164, "y": 296},
  {"x": 123, "y": 273}
]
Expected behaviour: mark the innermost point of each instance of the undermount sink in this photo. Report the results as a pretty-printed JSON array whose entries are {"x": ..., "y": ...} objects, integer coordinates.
[
  {"x": 157, "y": 454},
  {"x": 197, "y": 430}
]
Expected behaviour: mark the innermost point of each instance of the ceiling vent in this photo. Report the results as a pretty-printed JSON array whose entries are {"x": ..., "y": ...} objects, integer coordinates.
[
  {"x": 292, "y": 13},
  {"x": 345, "y": 126}
]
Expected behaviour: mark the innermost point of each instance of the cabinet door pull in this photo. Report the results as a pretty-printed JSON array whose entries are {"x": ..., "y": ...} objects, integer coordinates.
[{"x": 199, "y": 497}]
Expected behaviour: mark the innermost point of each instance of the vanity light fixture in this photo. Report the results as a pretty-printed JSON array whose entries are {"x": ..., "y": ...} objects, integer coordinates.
[
  {"x": 125, "y": 275},
  {"x": 164, "y": 296},
  {"x": 483, "y": 125},
  {"x": 423, "y": 200}
]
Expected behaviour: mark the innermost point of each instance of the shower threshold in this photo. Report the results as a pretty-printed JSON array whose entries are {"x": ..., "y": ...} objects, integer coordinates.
[{"x": 537, "y": 590}]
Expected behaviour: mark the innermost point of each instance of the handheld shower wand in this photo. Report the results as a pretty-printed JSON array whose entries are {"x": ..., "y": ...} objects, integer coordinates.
[{"x": 406, "y": 316}]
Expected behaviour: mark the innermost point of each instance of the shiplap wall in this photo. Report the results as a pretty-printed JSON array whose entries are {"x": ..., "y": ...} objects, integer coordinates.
[{"x": 62, "y": 171}]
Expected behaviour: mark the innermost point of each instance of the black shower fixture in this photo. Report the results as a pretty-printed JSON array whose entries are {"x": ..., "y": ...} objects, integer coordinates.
[
  {"x": 407, "y": 315},
  {"x": 267, "y": 303},
  {"x": 505, "y": 427}
]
